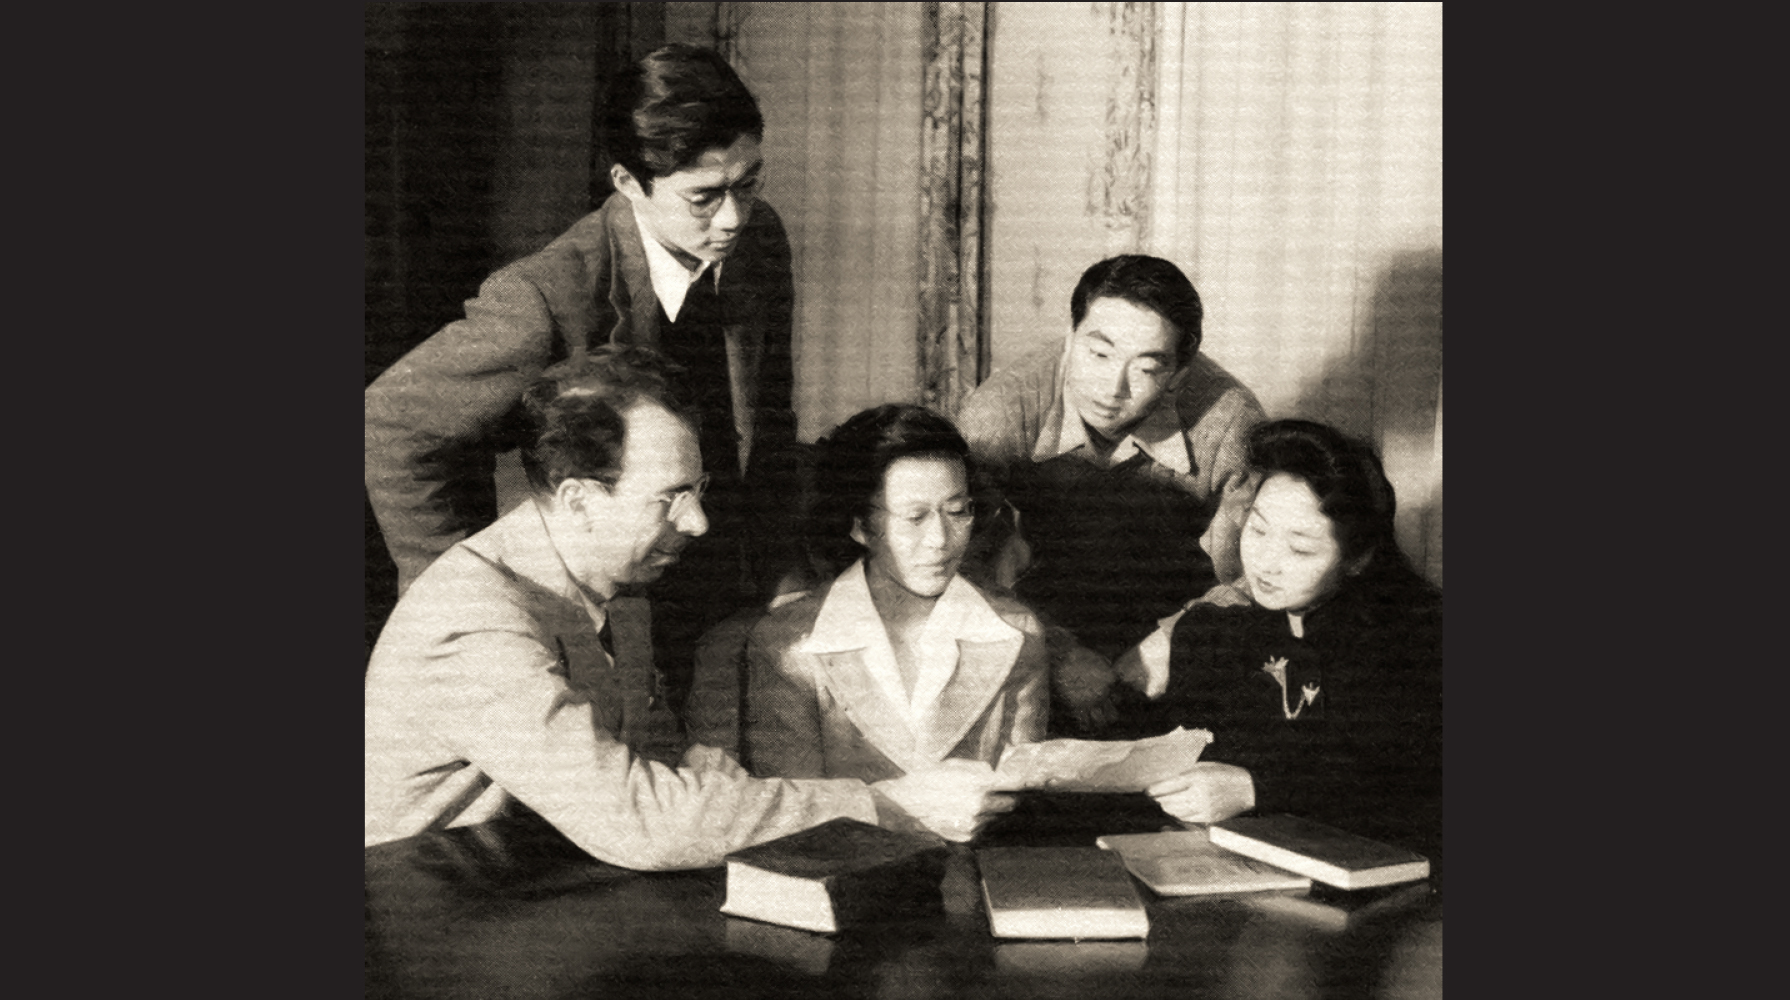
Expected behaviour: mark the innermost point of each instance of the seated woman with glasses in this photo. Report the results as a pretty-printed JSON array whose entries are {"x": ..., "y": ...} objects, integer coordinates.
[
  {"x": 899, "y": 663},
  {"x": 1319, "y": 672}
]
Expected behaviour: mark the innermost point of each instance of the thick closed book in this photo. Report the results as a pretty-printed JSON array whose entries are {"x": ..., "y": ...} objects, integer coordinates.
[
  {"x": 1331, "y": 856},
  {"x": 830, "y": 877},
  {"x": 1187, "y": 863},
  {"x": 1059, "y": 892}
]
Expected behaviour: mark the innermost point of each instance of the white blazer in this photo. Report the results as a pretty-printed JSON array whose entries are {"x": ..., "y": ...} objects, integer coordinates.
[{"x": 825, "y": 698}]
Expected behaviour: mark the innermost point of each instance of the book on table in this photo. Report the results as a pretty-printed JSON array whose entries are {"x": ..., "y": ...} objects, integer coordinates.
[
  {"x": 1187, "y": 863},
  {"x": 1331, "y": 856},
  {"x": 1059, "y": 892},
  {"x": 836, "y": 875}
]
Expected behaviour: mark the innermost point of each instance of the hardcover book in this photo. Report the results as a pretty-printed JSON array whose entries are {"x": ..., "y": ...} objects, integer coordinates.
[
  {"x": 1325, "y": 853},
  {"x": 1059, "y": 892},
  {"x": 1187, "y": 863},
  {"x": 835, "y": 875}
]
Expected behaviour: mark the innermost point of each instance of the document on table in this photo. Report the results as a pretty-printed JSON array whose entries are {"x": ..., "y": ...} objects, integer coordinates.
[{"x": 1100, "y": 765}]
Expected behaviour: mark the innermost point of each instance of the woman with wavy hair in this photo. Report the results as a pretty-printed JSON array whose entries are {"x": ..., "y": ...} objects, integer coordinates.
[{"x": 1320, "y": 671}]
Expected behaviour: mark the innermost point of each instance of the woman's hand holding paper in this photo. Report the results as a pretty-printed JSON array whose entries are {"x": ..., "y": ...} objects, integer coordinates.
[{"x": 1206, "y": 793}]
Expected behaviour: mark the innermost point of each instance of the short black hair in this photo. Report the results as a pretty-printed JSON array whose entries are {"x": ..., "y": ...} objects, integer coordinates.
[
  {"x": 677, "y": 103},
  {"x": 572, "y": 415},
  {"x": 1346, "y": 477},
  {"x": 851, "y": 462},
  {"x": 1149, "y": 283}
]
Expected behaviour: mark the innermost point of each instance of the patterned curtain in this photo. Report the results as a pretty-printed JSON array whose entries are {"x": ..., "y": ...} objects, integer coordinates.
[{"x": 953, "y": 353}]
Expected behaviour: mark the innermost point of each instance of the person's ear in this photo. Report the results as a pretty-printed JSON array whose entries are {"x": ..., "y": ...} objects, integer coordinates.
[
  {"x": 625, "y": 183},
  {"x": 575, "y": 495},
  {"x": 857, "y": 532}
]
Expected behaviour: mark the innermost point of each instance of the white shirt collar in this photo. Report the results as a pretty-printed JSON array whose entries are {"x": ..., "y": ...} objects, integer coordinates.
[
  {"x": 671, "y": 279},
  {"x": 848, "y": 622}
]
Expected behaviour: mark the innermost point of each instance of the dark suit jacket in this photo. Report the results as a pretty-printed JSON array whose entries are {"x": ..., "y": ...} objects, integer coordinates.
[{"x": 437, "y": 419}]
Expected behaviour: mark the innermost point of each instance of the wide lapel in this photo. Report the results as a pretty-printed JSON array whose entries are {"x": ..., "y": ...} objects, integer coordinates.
[
  {"x": 883, "y": 723},
  {"x": 852, "y": 651},
  {"x": 986, "y": 650},
  {"x": 631, "y": 283}
]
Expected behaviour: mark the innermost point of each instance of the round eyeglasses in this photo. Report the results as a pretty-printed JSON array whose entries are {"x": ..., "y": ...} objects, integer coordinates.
[
  {"x": 707, "y": 201},
  {"x": 956, "y": 515},
  {"x": 680, "y": 502}
]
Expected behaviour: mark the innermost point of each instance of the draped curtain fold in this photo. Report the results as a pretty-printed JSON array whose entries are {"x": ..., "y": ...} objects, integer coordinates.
[
  {"x": 875, "y": 131},
  {"x": 952, "y": 348},
  {"x": 1298, "y": 177},
  {"x": 840, "y": 86}
]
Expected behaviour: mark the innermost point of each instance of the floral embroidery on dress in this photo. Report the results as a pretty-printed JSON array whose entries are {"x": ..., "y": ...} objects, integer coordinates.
[{"x": 1277, "y": 669}]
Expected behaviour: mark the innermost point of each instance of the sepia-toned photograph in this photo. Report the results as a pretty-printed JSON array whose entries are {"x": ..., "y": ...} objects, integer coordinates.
[{"x": 903, "y": 500}]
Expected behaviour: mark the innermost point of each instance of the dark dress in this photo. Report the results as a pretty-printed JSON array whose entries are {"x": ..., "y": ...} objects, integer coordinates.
[{"x": 1355, "y": 739}]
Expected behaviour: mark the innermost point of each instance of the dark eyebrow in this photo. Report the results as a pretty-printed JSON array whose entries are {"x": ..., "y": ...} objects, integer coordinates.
[{"x": 1097, "y": 335}]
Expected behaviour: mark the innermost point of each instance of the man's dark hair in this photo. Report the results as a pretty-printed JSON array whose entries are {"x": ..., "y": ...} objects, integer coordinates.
[
  {"x": 1148, "y": 283},
  {"x": 850, "y": 464},
  {"x": 572, "y": 415},
  {"x": 675, "y": 104},
  {"x": 1346, "y": 477}
]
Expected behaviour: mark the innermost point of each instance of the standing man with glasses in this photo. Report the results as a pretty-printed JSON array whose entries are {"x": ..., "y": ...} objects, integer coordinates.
[
  {"x": 682, "y": 258},
  {"x": 516, "y": 675}
]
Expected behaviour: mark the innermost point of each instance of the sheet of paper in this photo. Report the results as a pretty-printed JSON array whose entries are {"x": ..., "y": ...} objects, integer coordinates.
[{"x": 1100, "y": 765}]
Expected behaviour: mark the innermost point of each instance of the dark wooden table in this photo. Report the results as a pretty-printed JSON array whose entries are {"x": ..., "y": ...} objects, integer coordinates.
[{"x": 511, "y": 909}]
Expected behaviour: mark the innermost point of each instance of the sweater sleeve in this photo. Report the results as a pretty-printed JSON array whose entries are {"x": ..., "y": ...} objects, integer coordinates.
[{"x": 1234, "y": 486}]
